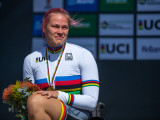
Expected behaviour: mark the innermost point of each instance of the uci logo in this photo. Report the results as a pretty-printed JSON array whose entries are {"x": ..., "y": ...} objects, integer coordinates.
[
  {"x": 112, "y": 48},
  {"x": 148, "y": 25},
  {"x": 41, "y": 59}
]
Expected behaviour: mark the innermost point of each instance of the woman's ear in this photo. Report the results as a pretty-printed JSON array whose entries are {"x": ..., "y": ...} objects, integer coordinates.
[{"x": 43, "y": 30}]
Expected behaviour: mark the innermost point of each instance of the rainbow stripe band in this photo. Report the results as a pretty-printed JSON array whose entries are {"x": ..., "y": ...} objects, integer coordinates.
[
  {"x": 90, "y": 83},
  {"x": 36, "y": 59},
  {"x": 63, "y": 112},
  {"x": 70, "y": 99},
  {"x": 54, "y": 50},
  {"x": 69, "y": 84},
  {"x": 42, "y": 83}
]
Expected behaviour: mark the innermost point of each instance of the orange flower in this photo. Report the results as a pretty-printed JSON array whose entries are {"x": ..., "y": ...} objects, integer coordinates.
[
  {"x": 7, "y": 92},
  {"x": 31, "y": 86},
  {"x": 17, "y": 98}
]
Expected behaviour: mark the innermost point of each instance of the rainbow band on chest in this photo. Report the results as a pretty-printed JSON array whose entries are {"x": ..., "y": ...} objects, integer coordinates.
[{"x": 54, "y": 50}]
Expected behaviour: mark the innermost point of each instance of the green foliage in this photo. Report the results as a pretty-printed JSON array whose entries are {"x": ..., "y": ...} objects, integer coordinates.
[{"x": 17, "y": 99}]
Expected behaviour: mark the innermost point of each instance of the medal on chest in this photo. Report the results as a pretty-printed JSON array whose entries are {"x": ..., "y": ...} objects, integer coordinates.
[
  {"x": 50, "y": 88},
  {"x": 50, "y": 81}
]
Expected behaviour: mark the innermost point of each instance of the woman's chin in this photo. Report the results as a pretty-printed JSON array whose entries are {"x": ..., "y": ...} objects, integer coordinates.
[{"x": 58, "y": 44}]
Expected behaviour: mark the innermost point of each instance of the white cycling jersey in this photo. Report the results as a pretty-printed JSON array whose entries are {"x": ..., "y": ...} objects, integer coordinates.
[{"x": 76, "y": 77}]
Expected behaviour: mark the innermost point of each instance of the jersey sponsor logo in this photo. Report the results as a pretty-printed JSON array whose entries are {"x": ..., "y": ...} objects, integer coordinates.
[
  {"x": 68, "y": 56},
  {"x": 41, "y": 59}
]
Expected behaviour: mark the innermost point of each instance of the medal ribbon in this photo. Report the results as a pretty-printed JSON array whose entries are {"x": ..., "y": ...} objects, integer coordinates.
[{"x": 49, "y": 82}]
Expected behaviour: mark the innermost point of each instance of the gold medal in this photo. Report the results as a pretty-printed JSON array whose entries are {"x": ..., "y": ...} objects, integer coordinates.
[{"x": 50, "y": 88}]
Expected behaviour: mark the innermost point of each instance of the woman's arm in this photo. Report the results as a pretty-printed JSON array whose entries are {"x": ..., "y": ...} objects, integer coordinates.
[
  {"x": 90, "y": 85},
  {"x": 27, "y": 70}
]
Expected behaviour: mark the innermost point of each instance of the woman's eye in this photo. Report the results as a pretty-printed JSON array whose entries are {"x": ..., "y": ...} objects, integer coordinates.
[
  {"x": 54, "y": 26},
  {"x": 65, "y": 28}
]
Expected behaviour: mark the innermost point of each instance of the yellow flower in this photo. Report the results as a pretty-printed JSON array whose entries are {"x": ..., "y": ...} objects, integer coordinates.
[{"x": 16, "y": 94}]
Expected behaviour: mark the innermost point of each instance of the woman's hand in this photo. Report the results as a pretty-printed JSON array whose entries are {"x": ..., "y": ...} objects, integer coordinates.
[{"x": 49, "y": 94}]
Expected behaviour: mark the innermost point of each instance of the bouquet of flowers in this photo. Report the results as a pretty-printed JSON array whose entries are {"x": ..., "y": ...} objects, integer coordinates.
[{"x": 16, "y": 96}]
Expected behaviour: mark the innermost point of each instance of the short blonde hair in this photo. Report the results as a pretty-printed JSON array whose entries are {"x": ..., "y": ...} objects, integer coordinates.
[{"x": 48, "y": 15}]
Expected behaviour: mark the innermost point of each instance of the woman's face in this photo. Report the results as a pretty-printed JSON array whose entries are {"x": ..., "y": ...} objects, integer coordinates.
[{"x": 57, "y": 29}]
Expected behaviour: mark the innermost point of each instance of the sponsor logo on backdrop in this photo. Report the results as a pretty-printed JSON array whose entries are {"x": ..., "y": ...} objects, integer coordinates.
[
  {"x": 81, "y": 5},
  {"x": 110, "y": 48},
  {"x": 148, "y": 48},
  {"x": 148, "y": 24},
  {"x": 151, "y": 49},
  {"x": 116, "y": 24},
  {"x": 37, "y": 25},
  {"x": 116, "y": 1},
  {"x": 149, "y": 2},
  {"x": 142, "y": 2},
  {"x": 148, "y": 5},
  {"x": 116, "y": 5},
  {"x": 104, "y": 24},
  {"x": 75, "y": 2},
  {"x": 45, "y": 5}
]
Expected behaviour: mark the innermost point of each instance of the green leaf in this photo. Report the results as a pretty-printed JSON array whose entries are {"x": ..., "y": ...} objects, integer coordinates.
[
  {"x": 23, "y": 106},
  {"x": 19, "y": 115},
  {"x": 25, "y": 89},
  {"x": 20, "y": 90},
  {"x": 28, "y": 79}
]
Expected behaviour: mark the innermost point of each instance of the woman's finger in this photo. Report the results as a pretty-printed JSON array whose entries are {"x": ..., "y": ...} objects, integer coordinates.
[
  {"x": 39, "y": 92},
  {"x": 44, "y": 93},
  {"x": 49, "y": 96}
]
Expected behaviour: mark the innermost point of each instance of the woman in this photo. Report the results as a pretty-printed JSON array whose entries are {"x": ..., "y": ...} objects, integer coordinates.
[{"x": 69, "y": 69}]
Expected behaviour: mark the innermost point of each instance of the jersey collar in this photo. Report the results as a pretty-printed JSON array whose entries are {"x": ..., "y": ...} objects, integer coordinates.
[{"x": 54, "y": 50}]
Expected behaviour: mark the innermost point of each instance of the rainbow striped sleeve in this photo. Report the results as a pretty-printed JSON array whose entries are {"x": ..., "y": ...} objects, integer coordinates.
[
  {"x": 70, "y": 99},
  {"x": 63, "y": 113},
  {"x": 90, "y": 83}
]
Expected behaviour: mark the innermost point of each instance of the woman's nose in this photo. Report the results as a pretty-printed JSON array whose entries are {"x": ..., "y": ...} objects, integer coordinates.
[{"x": 60, "y": 30}]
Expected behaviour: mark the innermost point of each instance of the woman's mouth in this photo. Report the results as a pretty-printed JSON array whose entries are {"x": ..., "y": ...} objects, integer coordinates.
[{"x": 59, "y": 37}]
